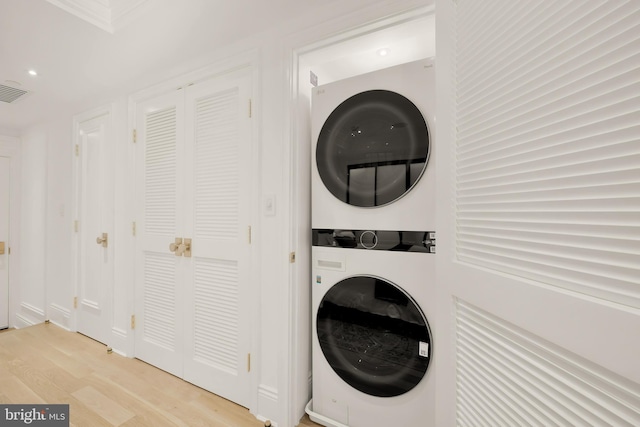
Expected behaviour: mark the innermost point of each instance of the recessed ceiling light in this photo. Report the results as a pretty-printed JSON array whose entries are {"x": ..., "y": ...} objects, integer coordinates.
[
  {"x": 32, "y": 72},
  {"x": 383, "y": 52}
]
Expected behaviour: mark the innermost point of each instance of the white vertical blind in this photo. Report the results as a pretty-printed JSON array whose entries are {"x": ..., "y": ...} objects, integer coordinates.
[{"x": 548, "y": 143}]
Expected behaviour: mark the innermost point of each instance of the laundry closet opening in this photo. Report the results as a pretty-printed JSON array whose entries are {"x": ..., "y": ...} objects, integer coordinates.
[{"x": 400, "y": 39}]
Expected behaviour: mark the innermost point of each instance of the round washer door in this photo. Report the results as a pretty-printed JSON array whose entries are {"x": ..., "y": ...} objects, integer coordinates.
[
  {"x": 374, "y": 336},
  {"x": 373, "y": 148}
]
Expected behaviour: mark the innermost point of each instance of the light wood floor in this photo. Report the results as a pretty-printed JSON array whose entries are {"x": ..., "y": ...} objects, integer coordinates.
[{"x": 46, "y": 364}]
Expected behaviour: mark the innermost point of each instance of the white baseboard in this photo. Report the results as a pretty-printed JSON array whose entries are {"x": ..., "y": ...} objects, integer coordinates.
[
  {"x": 23, "y": 322},
  {"x": 30, "y": 314},
  {"x": 118, "y": 341},
  {"x": 267, "y": 404},
  {"x": 60, "y": 316}
]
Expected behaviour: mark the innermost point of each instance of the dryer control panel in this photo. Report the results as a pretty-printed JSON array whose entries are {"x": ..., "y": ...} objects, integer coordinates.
[{"x": 382, "y": 240}]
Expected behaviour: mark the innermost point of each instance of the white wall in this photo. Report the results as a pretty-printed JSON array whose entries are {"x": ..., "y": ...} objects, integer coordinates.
[
  {"x": 31, "y": 295},
  {"x": 59, "y": 294},
  {"x": 46, "y": 207}
]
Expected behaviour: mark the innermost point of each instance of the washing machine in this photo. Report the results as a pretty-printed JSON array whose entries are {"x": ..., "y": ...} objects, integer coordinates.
[
  {"x": 373, "y": 297},
  {"x": 372, "y": 139}
]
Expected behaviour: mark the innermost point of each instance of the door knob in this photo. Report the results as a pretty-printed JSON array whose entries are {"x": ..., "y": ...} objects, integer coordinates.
[
  {"x": 175, "y": 247},
  {"x": 104, "y": 240},
  {"x": 181, "y": 247},
  {"x": 187, "y": 248}
]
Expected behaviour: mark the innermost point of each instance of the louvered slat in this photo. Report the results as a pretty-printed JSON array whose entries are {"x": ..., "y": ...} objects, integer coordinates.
[
  {"x": 548, "y": 143},
  {"x": 160, "y": 172},
  {"x": 159, "y": 300},
  {"x": 507, "y": 376},
  {"x": 216, "y": 166},
  {"x": 216, "y": 309}
]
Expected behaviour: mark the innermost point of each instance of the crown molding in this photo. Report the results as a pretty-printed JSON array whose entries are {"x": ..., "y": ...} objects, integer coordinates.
[{"x": 109, "y": 15}]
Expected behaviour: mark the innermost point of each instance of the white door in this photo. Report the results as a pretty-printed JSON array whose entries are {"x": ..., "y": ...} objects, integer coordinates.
[
  {"x": 217, "y": 206},
  {"x": 160, "y": 284},
  {"x": 95, "y": 217},
  {"x": 5, "y": 183},
  {"x": 194, "y": 174},
  {"x": 538, "y": 163}
]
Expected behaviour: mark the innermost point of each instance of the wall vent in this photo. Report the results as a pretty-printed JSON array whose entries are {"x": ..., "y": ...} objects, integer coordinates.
[{"x": 10, "y": 94}]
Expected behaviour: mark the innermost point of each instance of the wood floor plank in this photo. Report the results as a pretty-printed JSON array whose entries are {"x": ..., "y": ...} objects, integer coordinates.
[
  {"x": 20, "y": 393},
  {"x": 102, "y": 405},
  {"x": 46, "y": 364},
  {"x": 139, "y": 403}
]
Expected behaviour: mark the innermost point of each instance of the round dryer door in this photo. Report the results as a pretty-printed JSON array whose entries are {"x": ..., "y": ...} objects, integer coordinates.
[
  {"x": 374, "y": 336},
  {"x": 373, "y": 148}
]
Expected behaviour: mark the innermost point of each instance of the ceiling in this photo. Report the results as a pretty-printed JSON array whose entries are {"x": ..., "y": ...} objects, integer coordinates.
[
  {"x": 78, "y": 61},
  {"x": 404, "y": 42}
]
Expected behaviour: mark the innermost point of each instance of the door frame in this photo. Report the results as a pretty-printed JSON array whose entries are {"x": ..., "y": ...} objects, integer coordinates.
[
  {"x": 294, "y": 370},
  {"x": 78, "y": 119},
  {"x": 10, "y": 148}
]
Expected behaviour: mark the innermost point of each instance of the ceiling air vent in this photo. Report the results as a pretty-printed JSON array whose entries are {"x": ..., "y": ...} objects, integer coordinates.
[{"x": 10, "y": 94}]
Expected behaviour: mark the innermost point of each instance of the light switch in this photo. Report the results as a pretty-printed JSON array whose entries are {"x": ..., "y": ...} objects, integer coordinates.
[{"x": 269, "y": 205}]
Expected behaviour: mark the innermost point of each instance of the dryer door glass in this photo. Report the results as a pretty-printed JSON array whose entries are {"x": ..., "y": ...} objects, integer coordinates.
[
  {"x": 373, "y": 148},
  {"x": 374, "y": 336}
]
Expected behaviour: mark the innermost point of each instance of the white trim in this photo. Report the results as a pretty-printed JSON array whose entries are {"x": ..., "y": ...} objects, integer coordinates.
[
  {"x": 120, "y": 333},
  {"x": 267, "y": 403},
  {"x": 256, "y": 221},
  {"x": 22, "y": 322},
  {"x": 59, "y": 315},
  {"x": 33, "y": 311},
  {"x": 108, "y": 15},
  {"x": 122, "y": 11},
  {"x": 223, "y": 66},
  {"x": 363, "y": 22},
  {"x": 95, "y": 12},
  {"x": 119, "y": 342}
]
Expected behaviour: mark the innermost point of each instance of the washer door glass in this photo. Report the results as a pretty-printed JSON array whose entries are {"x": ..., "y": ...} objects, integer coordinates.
[
  {"x": 373, "y": 148},
  {"x": 374, "y": 336}
]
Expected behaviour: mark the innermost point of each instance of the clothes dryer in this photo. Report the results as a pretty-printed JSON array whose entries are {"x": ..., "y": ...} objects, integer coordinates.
[
  {"x": 372, "y": 300},
  {"x": 372, "y": 139}
]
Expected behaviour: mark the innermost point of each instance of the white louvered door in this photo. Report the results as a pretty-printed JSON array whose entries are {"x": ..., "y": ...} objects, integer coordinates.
[
  {"x": 194, "y": 164},
  {"x": 539, "y": 213},
  {"x": 159, "y": 193},
  {"x": 216, "y": 316}
]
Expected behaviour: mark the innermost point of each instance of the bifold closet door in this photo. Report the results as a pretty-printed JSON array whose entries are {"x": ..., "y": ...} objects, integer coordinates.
[
  {"x": 159, "y": 289},
  {"x": 192, "y": 309},
  {"x": 217, "y": 203}
]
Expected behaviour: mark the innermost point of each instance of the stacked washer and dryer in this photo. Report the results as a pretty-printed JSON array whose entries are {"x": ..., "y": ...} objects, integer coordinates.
[{"x": 373, "y": 262}]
